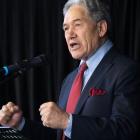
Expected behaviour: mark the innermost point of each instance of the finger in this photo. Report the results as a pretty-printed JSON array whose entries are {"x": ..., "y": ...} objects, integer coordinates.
[
  {"x": 16, "y": 108},
  {"x": 43, "y": 118},
  {"x": 10, "y": 104},
  {"x": 7, "y": 111},
  {"x": 4, "y": 118},
  {"x": 2, "y": 115},
  {"x": 46, "y": 117},
  {"x": 48, "y": 104},
  {"x": 12, "y": 107},
  {"x": 44, "y": 112},
  {"x": 45, "y": 124},
  {"x": 43, "y": 106},
  {"x": 45, "y": 121},
  {"x": 15, "y": 121},
  {"x": 44, "y": 109},
  {"x": 4, "y": 108}
]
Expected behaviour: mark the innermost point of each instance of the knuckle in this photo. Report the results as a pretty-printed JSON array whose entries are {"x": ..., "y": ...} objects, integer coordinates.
[
  {"x": 44, "y": 124},
  {"x": 51, "y": 104},
  {"x": 10, "y": 103},
  {"x": 4, "y": 108}
]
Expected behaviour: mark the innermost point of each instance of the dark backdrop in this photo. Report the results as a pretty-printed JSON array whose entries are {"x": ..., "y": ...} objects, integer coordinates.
[{"x": 29, "y": 28}]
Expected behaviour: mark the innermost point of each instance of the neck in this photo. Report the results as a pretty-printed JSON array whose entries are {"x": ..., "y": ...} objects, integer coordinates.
[{"x": 101, "y": 42}]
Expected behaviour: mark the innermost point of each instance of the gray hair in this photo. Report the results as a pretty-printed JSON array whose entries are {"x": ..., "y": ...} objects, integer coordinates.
[{"x": 98, "y": 9}]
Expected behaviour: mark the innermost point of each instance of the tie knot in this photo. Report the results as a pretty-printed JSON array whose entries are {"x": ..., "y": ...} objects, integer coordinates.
[{"x": 83, "y": 67}]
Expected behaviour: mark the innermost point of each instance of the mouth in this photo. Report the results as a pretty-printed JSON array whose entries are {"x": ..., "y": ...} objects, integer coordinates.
[{"x": 74, "y": 46}]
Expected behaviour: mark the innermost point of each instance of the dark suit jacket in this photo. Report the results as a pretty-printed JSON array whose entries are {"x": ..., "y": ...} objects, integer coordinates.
[{"x": 113, "y": 115}]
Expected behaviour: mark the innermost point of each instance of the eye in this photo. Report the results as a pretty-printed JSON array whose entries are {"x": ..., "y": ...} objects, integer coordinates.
[
  {"x": 65, "y": 28},
  {"x": 77, "y": 24}
]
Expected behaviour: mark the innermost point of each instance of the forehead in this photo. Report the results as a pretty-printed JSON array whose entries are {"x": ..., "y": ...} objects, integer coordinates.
[{"x": 75, "y": 12}]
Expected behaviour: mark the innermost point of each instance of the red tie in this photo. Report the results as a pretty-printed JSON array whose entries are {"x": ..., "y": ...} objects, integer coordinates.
[{"x": 76, "y": 89}]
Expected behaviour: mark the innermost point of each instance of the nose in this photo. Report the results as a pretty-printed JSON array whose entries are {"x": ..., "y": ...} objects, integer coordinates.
[{"x": 71, "y": 33}]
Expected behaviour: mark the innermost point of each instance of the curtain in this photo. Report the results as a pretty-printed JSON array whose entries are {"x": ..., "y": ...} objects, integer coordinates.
[{"x": 29, "y": 28}]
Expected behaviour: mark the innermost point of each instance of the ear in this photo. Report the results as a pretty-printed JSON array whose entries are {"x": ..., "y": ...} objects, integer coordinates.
[{"x": 102, "y": 28}]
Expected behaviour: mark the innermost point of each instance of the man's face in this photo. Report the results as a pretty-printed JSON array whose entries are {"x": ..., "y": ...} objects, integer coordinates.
[{"x": 80, "y": 32}]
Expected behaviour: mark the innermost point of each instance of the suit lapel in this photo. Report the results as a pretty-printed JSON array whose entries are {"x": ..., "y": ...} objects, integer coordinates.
[
  {"x": 66, "y": 90},
  {"x": 96, "y": 77}
]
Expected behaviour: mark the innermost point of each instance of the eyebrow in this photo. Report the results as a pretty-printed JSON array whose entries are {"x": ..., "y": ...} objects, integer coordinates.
[{"x": 78, "y": 19}]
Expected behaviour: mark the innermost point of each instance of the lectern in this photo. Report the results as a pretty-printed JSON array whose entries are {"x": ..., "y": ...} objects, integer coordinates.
[{"x": 7, "y": 133}]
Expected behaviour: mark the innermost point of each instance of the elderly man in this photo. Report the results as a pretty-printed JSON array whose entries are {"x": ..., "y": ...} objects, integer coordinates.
[{"x": 100, "y": 99}]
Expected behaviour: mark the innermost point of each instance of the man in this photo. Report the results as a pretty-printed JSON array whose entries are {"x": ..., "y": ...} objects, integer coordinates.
[{"x": 107, "y": 108}]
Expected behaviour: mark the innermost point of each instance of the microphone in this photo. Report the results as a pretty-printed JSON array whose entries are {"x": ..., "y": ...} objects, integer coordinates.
[{"x": 24, "y": 65}]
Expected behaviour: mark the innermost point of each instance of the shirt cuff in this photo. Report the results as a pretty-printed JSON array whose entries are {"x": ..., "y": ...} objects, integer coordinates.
[
  {"x": 67, "y": 131},
  {"x": 21, "y": 125}
]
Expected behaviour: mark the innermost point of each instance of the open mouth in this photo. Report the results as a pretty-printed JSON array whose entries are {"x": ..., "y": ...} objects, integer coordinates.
[{"x": 74, "y": 45}]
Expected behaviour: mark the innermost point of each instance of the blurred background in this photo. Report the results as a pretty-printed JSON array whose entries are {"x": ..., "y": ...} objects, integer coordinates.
[{"x": 29, "y": 28}]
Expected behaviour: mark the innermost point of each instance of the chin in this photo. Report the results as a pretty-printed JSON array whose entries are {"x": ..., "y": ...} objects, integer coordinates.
[{"x": 77, "y": 57}]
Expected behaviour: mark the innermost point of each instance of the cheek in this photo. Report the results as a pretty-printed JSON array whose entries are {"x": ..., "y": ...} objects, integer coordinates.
[
  {"x": 66, "y": 38},
  {"x": 83, "y": 39},
  {"x": 89, "y": 43},
  {"x": 86, "y": 40}
]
